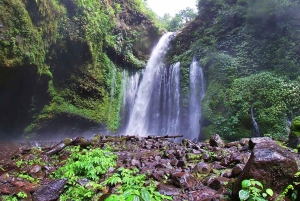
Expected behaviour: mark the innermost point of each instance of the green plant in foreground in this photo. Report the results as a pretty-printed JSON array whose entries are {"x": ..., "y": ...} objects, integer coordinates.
[
  {"x": 254, "y": 190},
  {"x": 85, "y": 164},
  {"x": 133, "y": 187}
]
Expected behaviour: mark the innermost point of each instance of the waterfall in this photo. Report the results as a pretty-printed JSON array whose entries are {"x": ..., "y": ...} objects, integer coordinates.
[
  {"x": 255, "y": 125},
  {"x": 152, "y": 103},
  {"x": 139, "y": 118},
  {"x": 130, "y": 87},
  {"x": 197, "y": 92}
]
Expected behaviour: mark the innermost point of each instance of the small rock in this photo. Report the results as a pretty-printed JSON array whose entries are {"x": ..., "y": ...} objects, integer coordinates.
[
  {"x": 174, "y": 162},
  {"x": 183, "y": 180},
  {"x": 136, "y": 163},
  {"x": 35, "y": 169},
  {"x": 168, "y": 190},
  {"x": 217, "y": 182},
  {"x": 50, "y": 191},
  {"x": 203, "y": 168},
  {"x": 244, "y": 141},
  {"x": 237, "y": 170},
  {"x": 181, "y": 164}
]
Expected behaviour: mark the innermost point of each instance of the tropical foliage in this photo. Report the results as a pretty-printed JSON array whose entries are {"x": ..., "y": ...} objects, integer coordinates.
[{"x": 250, "y": 59}]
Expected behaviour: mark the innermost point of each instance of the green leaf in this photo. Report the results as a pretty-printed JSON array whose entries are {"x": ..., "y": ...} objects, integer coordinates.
[
  {"x": 133, "y": 198},
  {"x": 145, "y": 195},
  {"x": 264, "y": 195},
  {"x": 269, "y": 192},
  {"x": 243, "y": 194},
  {"x": 246, "y": 183},
  {"x": 254, "y": 182}
]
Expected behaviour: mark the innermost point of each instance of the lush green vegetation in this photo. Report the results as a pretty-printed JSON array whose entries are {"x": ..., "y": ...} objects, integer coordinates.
[
  {"x": 250, "y": 57},
  {"x": 91, "y": 166},
  {"x": 81, "y": 49}
]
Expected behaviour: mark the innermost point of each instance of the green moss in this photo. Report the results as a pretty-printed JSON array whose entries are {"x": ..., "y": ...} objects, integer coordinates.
[{"x": 295, "y": 126}]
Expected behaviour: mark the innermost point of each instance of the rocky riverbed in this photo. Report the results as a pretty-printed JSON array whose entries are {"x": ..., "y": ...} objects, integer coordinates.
[{"x": 186, "y": 171}]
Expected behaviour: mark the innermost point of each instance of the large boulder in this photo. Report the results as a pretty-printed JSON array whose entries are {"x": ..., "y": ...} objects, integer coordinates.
[{"x": 270, "y": 164}]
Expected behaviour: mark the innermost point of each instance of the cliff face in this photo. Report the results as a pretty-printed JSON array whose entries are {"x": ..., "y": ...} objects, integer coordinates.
[
  {"x": 249, "y": 51},
  {"x": 61, "y": 62}
]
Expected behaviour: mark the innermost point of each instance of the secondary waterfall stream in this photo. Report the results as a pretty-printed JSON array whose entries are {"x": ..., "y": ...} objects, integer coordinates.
[{"x": 152, "y": 101}]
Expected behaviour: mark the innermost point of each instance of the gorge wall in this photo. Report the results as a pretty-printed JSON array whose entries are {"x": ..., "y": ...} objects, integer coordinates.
[{"x": 61, "y": 63}]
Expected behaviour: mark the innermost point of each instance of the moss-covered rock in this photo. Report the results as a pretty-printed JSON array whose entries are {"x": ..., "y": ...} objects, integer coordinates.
[{"x": 294, "y": 137}]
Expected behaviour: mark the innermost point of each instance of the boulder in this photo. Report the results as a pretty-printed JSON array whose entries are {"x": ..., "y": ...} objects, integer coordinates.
[
  {"x": 183, "y": 180},
  {"x": 216, "y": 141},
  {"x": 203, "y": 168},
  {"x": 270, "y": 164},
  {"x": 50, "y": 191}
]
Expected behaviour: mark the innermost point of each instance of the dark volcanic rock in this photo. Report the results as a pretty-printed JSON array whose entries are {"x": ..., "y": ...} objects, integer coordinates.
[
  {"x": 183, "y": 180},
  {"x": 203, "y": 168},
  {"x": 50, "y": 191},
  {"x": 237, "y": 170},
  {"x": 270, "y": 163},
  {"x": 168, "y": 190},
  {"x": 216, "y": 141}
]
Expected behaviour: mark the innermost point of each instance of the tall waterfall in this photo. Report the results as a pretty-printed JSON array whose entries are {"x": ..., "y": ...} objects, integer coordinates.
[
  {"x": 197, "y": 91},
  {"x": 138, "y": 120},
  {"x": 255, "y": 125},
  {"x": 152, "y": 101}
]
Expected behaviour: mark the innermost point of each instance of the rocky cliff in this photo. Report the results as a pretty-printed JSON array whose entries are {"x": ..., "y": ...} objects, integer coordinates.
[{"x": 62, "y": 62}]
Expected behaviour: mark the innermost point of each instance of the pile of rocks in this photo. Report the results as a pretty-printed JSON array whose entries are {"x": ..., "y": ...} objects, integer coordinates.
[{"x": 211, "y": 170}]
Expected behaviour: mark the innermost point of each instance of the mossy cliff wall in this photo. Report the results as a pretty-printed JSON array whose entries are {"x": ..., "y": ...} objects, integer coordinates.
[
  {"x": 249, "y": 51},
  {"x": 61, "y": 62}
]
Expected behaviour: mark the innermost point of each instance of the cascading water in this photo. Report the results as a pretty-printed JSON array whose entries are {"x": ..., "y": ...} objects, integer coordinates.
[
  {"x": 255, "y": 125},
  {"x": 138, "y": 120},
  {"x": 197, "y": 92},
  {"x": 130, "y": 88},
  {"x": 152, "y": 104}
]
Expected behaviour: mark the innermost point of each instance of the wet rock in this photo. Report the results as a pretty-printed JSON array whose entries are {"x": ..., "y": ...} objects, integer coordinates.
[
  {"x": 135, "y": 162},
  {"x": 83, "y": 182},
  {"x": 35, "y": 169},
  {"x": 181, "y": 164},
  {"x": 203, "y": 168},
  {"x": 27, "y": 186},
  {"x": 259, "y": 140},
  {"x": 270, "y": 163},
  {"x": 237, "y": 170},
  {"x": 168, "y": 190},
  {"x": 244, "y": 141},
  {"x": 236, "y": 157},
  {"x": 50, "y": 191},
  {"x": 217, "y": 182},
  {"x": 203, "y": 194},
  {"x": 7, "y": 167},
  {"x": 226, "y": 173},
  {"x": 232, "y": 144},
  {"x": 205, "y": 156},
  {"x": 174, "y": 162},
  {"x": 218, "y": 166},
  {"x": 183, "y": 180},
  {"x": 216, "y": 141}
]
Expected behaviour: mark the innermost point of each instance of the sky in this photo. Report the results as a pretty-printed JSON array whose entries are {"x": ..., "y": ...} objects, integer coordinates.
[{"x": 160, "y": 7}]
